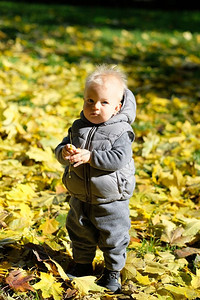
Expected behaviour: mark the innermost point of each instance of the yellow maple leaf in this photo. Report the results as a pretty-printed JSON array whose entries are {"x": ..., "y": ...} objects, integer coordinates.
[
  {"x": 180, "y": 180},
  {"x": 40, "y": 155},
  {"x": 85, "y": 284},
  {"x": 144, "y": 280},
  {"x": 22, "y": 192},
  {"x": 185, "y": 292},
  {"x": 11, "y": 123},
  {"x": 133, "y": 263},
  {"x": 49, "y": 286},
  {"x": 49, "y": 226},
  {"x": 175, "y": 192},
  {"x": 149, "y": 143},
  {"x": 192, "y": 226}
]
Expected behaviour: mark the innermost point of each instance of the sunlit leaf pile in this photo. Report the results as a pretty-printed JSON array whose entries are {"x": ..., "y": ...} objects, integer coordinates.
[{"x": 46, "y": 53}]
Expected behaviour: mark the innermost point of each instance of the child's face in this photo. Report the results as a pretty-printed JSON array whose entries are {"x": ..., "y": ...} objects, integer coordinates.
[{"x": 102, "y": 101}]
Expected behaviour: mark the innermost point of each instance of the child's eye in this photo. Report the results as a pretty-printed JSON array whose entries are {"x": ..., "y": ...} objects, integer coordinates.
[
  {"x": 105, "y": 102},
  {"x": 90, "y": 101}
]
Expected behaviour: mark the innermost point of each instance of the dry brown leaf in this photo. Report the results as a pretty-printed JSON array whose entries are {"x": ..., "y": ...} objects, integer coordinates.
[
  {"x": 18, "y": 280},
  {"x": 184, "y": 252}
]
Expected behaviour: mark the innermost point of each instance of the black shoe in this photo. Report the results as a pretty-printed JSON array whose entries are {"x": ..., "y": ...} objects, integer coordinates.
[
  {"x": 109, "y": 280},
  {"x": 80, "y": 270}
]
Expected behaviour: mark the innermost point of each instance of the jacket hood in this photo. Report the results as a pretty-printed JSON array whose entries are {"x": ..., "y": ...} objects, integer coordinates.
[{"x": 127, "y": 112}]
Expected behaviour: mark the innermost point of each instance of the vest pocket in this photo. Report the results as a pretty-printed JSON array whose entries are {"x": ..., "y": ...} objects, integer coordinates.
[
  {"x": 120, "y": 182},
  {"x": 126, "y": 180}
]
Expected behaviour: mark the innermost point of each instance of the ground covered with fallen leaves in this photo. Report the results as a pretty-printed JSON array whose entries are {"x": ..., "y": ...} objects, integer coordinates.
[{"x": 46, "y": 53}]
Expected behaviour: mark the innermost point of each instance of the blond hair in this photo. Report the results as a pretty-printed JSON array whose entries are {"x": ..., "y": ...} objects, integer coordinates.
[{"x": 105, "y": 70}]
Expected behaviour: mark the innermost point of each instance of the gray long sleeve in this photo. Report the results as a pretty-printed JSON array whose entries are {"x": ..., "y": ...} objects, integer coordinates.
[
  {"x": 117, "y": 157},
  {"x": 58, "y": 151}
]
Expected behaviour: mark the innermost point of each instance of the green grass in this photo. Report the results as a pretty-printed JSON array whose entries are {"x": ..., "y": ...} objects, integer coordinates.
[{"x": 129, "y": 18}]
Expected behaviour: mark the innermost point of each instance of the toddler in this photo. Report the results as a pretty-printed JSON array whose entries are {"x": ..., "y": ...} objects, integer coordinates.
[{"x": 99, "y": 174}]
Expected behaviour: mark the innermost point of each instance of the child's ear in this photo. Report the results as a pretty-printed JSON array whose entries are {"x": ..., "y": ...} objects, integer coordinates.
[{"x": 117, "y": 108}]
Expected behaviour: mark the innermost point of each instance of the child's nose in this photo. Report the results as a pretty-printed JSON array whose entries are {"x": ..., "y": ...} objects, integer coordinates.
[{"x": 97, "y": 105}]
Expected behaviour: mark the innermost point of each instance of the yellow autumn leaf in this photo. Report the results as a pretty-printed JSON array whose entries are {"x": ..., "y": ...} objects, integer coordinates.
[
  {"x": 45, "y": 199},
  {"x": 22, "y": 192},
  {"x": 144, "y": 280},
  {"x": 19, "y": 224},
  {"x": 61, "y": 272},
  {"x": 9, "y": 237},
  {"x": 11, "y": 123},
  {"x": 52, "y": 243},
  {"x": 26, "y": 211},
  {"x": 175, "y": 192},
  {"x": 178, "y": 103},
  {"x": 187, "y": 127},
  {"x": 133, "y": 263},
  {"x": 49, "y": 286},
  {"x": 40, "y": 155},
  {"x": 195, "y": 282},
  {"x": 188, "y": 293},
  {"x": 192, "y": 227},
  {"x": 167, "y": 177},
  {"x": 180, "y": 180},
  {"x": 99, "y": 258},
  {"x": 149, "y": 143},
  {"x": 49, "y": 226},
  {"x": 85, "y": 284}
]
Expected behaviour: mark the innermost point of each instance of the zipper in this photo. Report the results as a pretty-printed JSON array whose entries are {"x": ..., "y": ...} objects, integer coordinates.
[
  {"x": 87, "y": 166},
  {"x": 89, "y": 137}
]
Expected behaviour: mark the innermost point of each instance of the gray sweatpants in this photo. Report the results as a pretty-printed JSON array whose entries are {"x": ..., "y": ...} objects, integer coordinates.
[{"x": 105, "y": 225}]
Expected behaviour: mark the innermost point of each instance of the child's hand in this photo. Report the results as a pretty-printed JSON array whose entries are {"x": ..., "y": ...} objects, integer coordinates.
[
  {"x": 81, "y": 156},
  {"x": 68, "y": 151}
]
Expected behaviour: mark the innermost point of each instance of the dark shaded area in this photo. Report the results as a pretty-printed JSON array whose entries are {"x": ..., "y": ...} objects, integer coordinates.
[
  {"x": 143, "y": 4},
  {"x": 98, "y": 16}
]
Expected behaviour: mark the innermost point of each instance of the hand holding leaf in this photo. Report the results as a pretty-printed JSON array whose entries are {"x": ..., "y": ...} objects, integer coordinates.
[
  {"x": 76, "y": 156},
  {"x": 81, "y": 156},
  {"x": 68, "y": 150}
]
